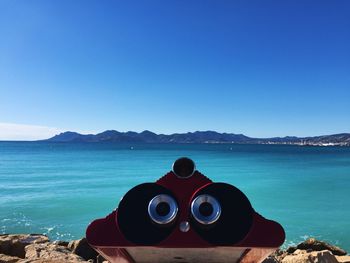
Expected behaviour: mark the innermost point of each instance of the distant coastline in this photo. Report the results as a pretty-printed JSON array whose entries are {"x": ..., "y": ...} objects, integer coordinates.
[{"x": 342, "y": 139}]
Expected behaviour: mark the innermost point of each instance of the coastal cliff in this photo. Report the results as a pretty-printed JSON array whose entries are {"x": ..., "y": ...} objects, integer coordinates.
[{"x": 36, "y": 248}]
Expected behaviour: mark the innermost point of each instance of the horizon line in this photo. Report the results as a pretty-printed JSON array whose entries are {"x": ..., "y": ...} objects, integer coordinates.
[{"x": 27, "y": 132}]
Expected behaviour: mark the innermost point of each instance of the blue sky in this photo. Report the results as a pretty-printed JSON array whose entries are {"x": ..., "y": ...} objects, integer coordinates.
[{"x": 262, "y": 68}]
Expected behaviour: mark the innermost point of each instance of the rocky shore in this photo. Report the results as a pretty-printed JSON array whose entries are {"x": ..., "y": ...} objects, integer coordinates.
[
  {"x": 36, "y": 248},
  {"x": 310, "y": 251}
]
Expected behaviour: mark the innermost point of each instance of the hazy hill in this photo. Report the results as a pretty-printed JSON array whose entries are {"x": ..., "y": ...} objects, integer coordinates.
[{"x": 342, "y": 139}]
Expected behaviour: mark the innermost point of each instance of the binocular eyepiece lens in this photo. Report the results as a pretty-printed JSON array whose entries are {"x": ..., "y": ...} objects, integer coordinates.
[
  {"x": 184, "y": 167},
  {"x": 205, "y": 209},
  {"x": 147, "y": 213},
  {"x": 162, "y": 209},
  {"x": 221, "y": 214}
]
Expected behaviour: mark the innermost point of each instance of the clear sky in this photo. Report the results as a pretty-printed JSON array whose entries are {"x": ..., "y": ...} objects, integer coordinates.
[{"x": 262, "y": 68}]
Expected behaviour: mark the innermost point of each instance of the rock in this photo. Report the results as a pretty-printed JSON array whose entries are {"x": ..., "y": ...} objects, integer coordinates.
[
  {"x": 316, "y": 245},
  {"x": 40, "y": 260},
  {"x": 82, "y": 248},
  {"x": 49, "y": 252},
  {"x": 61, "y": 243},
  {"x": 275, "y": 257},
  {"x": 300, "y": 251},
  {"x": 8, "y": 259},
  {"x": 270, "y": 259},
  {"x": 291, "y": 250},
  {"x": 343, "y": 259},
  {"x": 13, "y": 245},
  {"x": 301, "y": 256}
]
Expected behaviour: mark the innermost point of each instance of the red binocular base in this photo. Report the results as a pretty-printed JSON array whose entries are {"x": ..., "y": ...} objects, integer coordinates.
[{"x": 184, "y": 217}]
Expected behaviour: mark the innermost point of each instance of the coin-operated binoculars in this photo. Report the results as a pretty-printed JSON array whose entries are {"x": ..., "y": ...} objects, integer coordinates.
[{"x": 184, "y": 217}]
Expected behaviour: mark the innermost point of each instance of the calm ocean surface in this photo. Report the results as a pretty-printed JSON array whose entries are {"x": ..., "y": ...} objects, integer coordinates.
[{"x": 58, "y": 188}]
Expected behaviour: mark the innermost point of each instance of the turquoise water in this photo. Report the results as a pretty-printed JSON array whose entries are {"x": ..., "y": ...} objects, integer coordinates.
[{"x": 58, "y": 188}]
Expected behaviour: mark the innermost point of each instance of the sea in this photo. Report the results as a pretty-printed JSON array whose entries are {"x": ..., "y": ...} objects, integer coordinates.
[{"x": 57, "y": 189}]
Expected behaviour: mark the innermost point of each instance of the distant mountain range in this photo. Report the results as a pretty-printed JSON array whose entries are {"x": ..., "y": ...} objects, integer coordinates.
[{"x": 342, "y": 139}]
